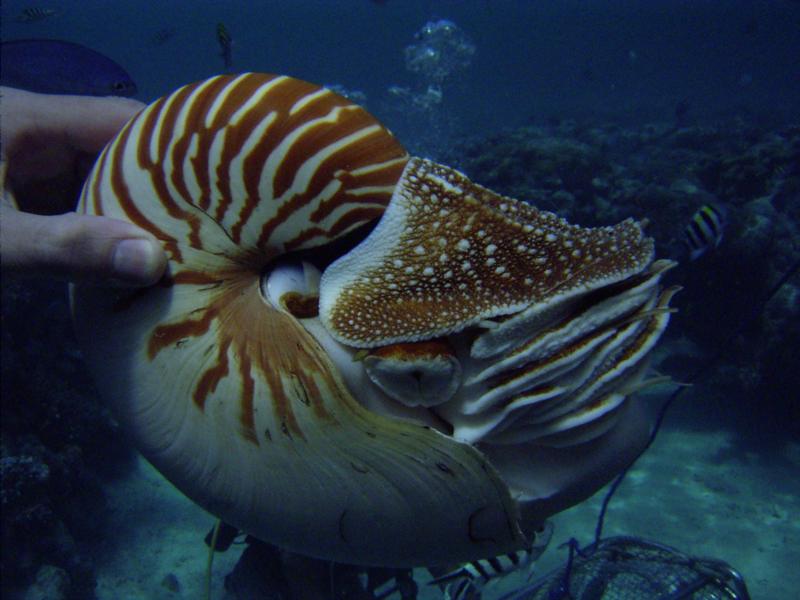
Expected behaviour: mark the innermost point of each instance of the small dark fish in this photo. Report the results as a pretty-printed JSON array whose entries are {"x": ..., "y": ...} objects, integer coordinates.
[
  {"x": 162, "y": 36},
  {"x": 59, "y": 67},
  {"x": 682, "y": 109},
  {"x": 750, "y": 27},
  {"x": 34, "y": 15},
  {"x": 704, "y": 230},
  {"x": 225, "y": 43}
]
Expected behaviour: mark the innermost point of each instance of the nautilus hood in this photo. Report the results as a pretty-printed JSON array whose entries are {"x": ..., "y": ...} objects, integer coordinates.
[{"x": 423, "y": 392}]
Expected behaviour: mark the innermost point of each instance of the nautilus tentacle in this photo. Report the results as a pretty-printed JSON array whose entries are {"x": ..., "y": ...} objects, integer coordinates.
[
  {"x": 376, "y": 397},
  {"x": 556, "y": 319}
]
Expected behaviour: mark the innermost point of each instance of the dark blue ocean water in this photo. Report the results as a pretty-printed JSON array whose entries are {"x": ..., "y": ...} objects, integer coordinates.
[
  {"x": 633, "y": 60},
  {"x": 595, "y": 110}
]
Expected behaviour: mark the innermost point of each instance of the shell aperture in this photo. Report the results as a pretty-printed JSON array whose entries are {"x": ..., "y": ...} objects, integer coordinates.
[{"x": 263, "y": 409}]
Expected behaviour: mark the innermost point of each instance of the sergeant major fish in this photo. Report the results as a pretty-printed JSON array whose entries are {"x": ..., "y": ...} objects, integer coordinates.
[
  {"x": 704, "y": 230},
  {"x": 468, "y": 580}
]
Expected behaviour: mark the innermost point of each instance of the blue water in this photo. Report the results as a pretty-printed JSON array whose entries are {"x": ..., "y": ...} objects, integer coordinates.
[
  {"x": 595, "y": 110},
  {"x": 627, "y": 59}
]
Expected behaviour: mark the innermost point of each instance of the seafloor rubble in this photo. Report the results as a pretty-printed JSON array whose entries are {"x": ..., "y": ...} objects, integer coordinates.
[{"x": 59, "y": 444}]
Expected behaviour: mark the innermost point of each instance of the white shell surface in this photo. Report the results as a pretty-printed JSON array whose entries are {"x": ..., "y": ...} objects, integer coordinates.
[{"x": 225, "y": 391}]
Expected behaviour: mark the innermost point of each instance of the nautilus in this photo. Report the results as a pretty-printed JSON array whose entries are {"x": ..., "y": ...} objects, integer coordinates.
[{"x": 356, "y": 354}]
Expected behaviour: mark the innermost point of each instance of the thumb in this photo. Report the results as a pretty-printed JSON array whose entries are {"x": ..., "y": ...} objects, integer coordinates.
[{"x": 79, "y": 248}]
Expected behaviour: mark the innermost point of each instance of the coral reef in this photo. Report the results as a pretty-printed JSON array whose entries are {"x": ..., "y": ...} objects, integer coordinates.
[{"x": 57, "y": 443}]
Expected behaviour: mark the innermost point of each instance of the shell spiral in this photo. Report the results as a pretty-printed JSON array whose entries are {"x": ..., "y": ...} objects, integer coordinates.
[
  {"x": 228, "y": 396},
  {"x": 390, "y": 410}
]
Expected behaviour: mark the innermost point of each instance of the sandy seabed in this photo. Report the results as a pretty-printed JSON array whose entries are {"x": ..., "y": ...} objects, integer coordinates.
[{"x": 695, "y": 491}]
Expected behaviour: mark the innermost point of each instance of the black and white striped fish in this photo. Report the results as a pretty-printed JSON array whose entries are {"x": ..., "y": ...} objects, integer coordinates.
[
  {"x": 704, "y": 230},
  {"x": 467, "y": 581}
]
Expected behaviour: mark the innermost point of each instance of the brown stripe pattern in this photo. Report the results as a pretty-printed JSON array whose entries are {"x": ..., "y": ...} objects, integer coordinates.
[
  {"x": 230, "y": 173},
  {"x": 274, "y": 162}
]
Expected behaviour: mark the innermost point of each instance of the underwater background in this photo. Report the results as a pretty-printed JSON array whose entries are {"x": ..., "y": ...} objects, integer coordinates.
[{"x": 594, "y": 110}]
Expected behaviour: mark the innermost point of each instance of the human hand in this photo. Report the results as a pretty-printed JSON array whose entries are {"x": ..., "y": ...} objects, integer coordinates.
[{"x": 49, "y": 143}]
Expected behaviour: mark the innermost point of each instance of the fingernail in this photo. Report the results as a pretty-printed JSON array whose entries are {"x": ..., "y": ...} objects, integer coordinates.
[{"x": 137, "y": 261}]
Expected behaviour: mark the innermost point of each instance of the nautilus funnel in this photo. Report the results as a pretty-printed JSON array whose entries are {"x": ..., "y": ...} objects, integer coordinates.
[{"x": 355, "y": 354}]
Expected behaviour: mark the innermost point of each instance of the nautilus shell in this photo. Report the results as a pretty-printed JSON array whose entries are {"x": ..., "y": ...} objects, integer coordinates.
[{"x": 355, "y": 354}]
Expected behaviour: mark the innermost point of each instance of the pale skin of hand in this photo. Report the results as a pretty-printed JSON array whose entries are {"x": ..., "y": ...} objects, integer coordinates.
[{"x": 48, "y": 143}]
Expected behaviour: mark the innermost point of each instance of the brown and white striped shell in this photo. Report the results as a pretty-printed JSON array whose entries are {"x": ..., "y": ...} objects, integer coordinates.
[{"x": 378, "y": 400}]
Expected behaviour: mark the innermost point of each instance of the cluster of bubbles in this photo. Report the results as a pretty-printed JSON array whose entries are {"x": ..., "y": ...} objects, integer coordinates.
[
  {"x": 440, "y": 50},
  {"x": 355, "y": 96},
  {"x": 418, "y": 101}
]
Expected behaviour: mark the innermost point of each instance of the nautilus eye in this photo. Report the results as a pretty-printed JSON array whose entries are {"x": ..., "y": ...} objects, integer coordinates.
[{"x": 355, "y": 354}]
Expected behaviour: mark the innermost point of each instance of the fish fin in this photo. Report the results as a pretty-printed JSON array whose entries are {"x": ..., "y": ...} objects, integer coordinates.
[
  {"x": 462, "y": 590},
  {"x": 695, "y": 254},
  {"x": 449, "y": 577}
]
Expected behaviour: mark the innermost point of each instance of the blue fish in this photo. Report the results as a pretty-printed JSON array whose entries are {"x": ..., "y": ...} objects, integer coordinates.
[
  {"x": 704, "y": 230},
  {"x": 60, "y": 67}
]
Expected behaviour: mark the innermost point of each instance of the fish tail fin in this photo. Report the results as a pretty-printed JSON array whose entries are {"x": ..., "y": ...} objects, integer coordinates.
[{"x": 449, "y": 577}]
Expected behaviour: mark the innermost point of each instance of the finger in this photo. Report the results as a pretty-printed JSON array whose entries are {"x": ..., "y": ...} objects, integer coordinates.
[
  {"x": 89, "y": 123},
  {"x": 79, "y": 248},
  {"x": 85, "y": 123},
  {"x": 50, "y": 141}
]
